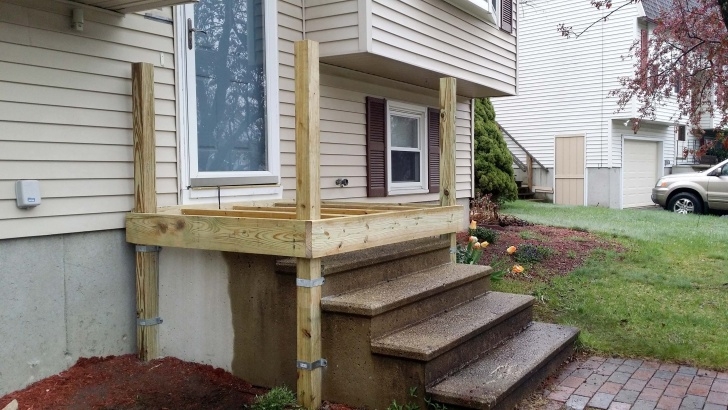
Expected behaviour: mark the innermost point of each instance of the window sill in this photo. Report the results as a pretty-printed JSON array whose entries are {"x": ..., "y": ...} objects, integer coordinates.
[
  {"x": 231, "y": 194},
  {"x": 413, "y": 191}
]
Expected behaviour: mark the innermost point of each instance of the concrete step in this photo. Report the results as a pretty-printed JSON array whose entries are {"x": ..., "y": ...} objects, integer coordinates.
[
  {"x": 438, "y": 334},
  {"x": 508, "y": 373},
  {"x": 453, "y": 339},
  {"x": 361, "y": 269},
  {"x": 401, "y": 302}
]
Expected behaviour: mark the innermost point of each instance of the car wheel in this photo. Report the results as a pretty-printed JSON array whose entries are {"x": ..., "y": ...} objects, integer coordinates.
[{"x": 685, "y": 203}]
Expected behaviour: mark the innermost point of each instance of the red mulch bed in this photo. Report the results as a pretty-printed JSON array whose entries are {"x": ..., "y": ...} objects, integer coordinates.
[{"x": 123, "y": 382}]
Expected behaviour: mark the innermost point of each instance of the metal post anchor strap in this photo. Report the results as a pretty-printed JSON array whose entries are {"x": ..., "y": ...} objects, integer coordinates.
[{"x": 311, "y": 366}]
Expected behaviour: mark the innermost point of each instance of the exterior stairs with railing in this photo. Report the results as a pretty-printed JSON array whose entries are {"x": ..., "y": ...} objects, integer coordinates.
[{"x": 403, "y": 318}]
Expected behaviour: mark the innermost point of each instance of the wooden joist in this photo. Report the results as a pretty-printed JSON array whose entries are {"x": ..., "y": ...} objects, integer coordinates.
[{"x": 222, "y": 230}]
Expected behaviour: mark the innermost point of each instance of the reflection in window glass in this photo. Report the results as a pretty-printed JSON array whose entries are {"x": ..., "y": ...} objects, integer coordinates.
[
  {"x": 405, "y": 166},
  {"x": 404, "y": 131},
  {"x": 230, "y": 76}
]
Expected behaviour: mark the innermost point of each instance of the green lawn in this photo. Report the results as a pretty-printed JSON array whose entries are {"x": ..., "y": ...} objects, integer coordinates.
[{"x": 666, "y": 297}]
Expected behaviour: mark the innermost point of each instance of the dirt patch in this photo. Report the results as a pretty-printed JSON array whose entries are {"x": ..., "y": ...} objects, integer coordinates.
[
  {"x": 569, "y": 249},
  {"x": 123, "y": 382}
]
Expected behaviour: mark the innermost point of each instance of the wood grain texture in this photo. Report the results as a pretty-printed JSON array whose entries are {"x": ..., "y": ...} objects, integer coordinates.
[
  {"x": 308, "y": 333},
  {"x": 142, "y": 84},
  {"x": 448, "y": 107},
  {"x": 145, "y": 200},
  {"x": 352, "y": 233},
  {"x": 147, "y": 300},
  {"x": 308, "y": 207},
  {"x": 282, "y": 237},
  {"x": 308, "y": 130},
  {"x": 529, "y": 170}
]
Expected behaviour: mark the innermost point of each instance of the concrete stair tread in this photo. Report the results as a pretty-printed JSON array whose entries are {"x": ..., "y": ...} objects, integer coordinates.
[
  {"x": 431, "y": 337},
  {"x": 386, "y": 296},
  {"x": 488, "y": 381},
  {"x": 352, "y": 260}
]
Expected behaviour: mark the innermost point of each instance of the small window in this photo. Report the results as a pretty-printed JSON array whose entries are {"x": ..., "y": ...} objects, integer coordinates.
[
  {"x": 407, "y": 148},
  {"x": 403, "y": 148},
  {"x": 681, "y": 133}
]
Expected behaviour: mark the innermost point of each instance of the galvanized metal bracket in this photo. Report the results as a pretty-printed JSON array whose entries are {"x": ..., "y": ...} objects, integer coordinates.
[
  {"x": 311, "y": 366},
  {"x": 148, "y": 248},
  {"x": 149, "y": 322},
  {"x": 308, "y": 283}
]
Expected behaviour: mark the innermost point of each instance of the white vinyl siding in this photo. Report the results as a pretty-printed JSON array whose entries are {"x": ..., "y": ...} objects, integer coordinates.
[
  {"x": 333, "y": 19},
  {"x": 65, "y": 115},
  {"x": 343, "y": 120},
  {"x": 563, "y": 83},
  {"x": 435, "y": 35},
  {"x": 654, "y": 132}
]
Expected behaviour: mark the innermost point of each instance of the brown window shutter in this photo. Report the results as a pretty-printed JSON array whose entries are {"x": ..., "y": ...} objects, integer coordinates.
[
  {"x": 433, "y": 149},
  {"x": 507, "y": 15},
  {"x": 376, "y": 147}
]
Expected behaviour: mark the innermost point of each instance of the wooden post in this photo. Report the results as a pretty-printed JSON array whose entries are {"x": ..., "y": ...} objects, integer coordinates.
[
  {"x": 308, "y": 206},
  {"x": 529, "y": 170},
  {"x": 145, "y": 200},
  {"x": 447, "y": 149}
]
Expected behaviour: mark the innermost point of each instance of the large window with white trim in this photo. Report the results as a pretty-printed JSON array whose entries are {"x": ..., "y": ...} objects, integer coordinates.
[{"x": 229, "y": 88}]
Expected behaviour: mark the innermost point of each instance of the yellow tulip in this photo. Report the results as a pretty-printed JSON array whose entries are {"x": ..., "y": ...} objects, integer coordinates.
[
  {"x": 511, "y": 250},
  {"x": 473, "y": 225},
  {"x": 473, "y": 239},
  {"x": 517, "y": 269},
  {"x": 484, "y": 244}
]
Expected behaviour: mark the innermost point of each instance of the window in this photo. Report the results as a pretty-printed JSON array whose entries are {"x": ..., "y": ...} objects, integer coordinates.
[
  {"x": 403, "y": 148},
  {"x": 227, "y": 62},
  {"x": 406, "y": 147},
  {"x": 496, "y": 12}
]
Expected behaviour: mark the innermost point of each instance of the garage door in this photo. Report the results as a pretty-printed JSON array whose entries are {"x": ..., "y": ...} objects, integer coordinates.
[{"x": 639, "y": 170}]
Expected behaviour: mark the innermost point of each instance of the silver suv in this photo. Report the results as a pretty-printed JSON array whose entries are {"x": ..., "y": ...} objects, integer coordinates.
[{"x": 695, "y": 192}]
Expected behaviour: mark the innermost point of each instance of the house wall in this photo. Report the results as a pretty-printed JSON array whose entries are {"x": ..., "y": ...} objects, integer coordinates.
[
  {"x": 66, "y": 272},
  {"x": 63, "y": 297},
  {"x": 65, "y": 104},
  {"x": 564, "y": 87},
  {"x": 429, "y": 34},
  {"x": 563, "y": 83},
  {"x": 343, "y": 123}
]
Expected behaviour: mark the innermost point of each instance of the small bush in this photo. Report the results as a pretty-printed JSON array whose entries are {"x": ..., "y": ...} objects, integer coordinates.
[
  {"x": 531, "y": 253},
  {"x": 486, "y": 234},
  {"x": 278, "y": 398}
]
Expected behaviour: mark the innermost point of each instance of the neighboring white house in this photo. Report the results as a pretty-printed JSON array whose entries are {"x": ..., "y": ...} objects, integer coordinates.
[
  {"x": 564, "y": 117},
  {"x": 224, "y": 85}
]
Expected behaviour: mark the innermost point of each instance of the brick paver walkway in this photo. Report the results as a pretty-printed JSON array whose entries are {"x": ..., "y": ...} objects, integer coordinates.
[{"x": 619, "y": 384}]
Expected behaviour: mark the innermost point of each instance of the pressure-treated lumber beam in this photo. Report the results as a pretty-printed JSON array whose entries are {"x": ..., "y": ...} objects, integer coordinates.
[
  {"x": 448, "y": 104},
  {"x": 279, "y": 237},
  {"x": 308, "y": 207},
  {"x": 145, "y": 200}
]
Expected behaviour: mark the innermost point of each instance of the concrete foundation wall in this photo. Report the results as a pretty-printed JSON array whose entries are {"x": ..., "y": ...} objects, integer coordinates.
[
  {"x": 63, "y": 297},
  {"x": 603, "y": 187}
]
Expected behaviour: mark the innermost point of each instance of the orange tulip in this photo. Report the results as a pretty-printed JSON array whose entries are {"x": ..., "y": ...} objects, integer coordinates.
[
  {"x": 511, "y": 250},
  {"x": 473, "y": 239},
  {"x": 476, "y": 245},
  {"x": 517, "y": 269}
]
